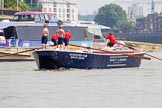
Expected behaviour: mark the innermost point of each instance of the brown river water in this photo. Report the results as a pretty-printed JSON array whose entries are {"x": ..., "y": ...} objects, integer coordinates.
[{"x": 22, "y": 85}]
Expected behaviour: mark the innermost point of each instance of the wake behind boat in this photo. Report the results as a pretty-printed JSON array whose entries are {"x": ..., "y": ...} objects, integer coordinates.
[{"x": 54, "y": 59}]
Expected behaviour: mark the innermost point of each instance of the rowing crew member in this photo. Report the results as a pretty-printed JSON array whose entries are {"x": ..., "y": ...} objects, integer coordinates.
[
  {"x": 60, "y": 33},
  {"x": 67, "y": 38},
  {"x": 54, "y": 39},
  {"x": 44, "y": 38},
  {"x": 111, "y": 39}
]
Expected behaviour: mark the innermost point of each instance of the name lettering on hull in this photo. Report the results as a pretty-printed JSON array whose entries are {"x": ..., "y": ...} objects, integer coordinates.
[
  {"x": 78, "y": 56},
  {"x": 117, "y": 61}
]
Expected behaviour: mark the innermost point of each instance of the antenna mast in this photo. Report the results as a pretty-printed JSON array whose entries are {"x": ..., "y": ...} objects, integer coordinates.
[{"x": 152, "y": 7}]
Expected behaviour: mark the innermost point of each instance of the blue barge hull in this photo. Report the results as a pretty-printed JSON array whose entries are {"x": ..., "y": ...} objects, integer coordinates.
[{"x": 49, "y": 59}]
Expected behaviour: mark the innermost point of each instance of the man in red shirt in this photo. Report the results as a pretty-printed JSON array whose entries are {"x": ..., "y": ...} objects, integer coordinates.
[
  {"x": 54, "y": 39},
  {"x": 67, "y": 38},
  {"x": 111, "y": 39}
]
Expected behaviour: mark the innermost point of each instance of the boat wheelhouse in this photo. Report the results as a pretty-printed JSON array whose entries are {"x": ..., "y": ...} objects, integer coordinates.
[{"x": 34, "y": 17}]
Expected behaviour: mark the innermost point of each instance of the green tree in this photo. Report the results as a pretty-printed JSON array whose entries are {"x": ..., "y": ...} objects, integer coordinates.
[
  {"x": 111, "y": 15},
  {"x": 12, "y": 4},
  {"x": 23, "y": 6}
]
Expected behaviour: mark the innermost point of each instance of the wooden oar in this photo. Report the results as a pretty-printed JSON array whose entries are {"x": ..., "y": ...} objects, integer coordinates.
[
  {"x": 20, "y": 52},
  {"x": 131, "y": 55},
  {"x": 136, "y": 49}
]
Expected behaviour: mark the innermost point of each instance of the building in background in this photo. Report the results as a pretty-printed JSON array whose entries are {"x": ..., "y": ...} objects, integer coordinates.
[
  {"x": 135, "y": 11},
  {"x": 64, "y": 10},
  {"x": 150, "y": 23},
  {"x": 1, "y": 4}
]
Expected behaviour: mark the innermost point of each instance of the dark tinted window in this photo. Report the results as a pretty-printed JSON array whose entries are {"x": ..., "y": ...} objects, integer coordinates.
[{"x": 23, "y": 18}]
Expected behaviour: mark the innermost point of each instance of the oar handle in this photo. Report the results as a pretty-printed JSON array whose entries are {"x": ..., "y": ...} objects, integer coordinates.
[
  {"x": 132, "y": 48},
  {"x": 126, "y": 46},
  {"x": 154, "y": 57}
]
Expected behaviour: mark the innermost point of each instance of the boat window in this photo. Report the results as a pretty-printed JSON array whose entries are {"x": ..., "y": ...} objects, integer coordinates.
[
  {"x": 42, "y": 18},
  {"x": 16, "y": 17},
  {"x": 53, "y": 18},
  {"x": 46, "y": 17},
  {"x": 23, "y": 18},
  {"x": 30, "y": 17},
  {"x": 37, "y": 18},
  {"x": 97, "y": 37}
]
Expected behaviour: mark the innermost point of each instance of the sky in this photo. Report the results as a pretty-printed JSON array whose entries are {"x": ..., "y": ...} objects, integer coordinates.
[{"x": 89, "y": 6}]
